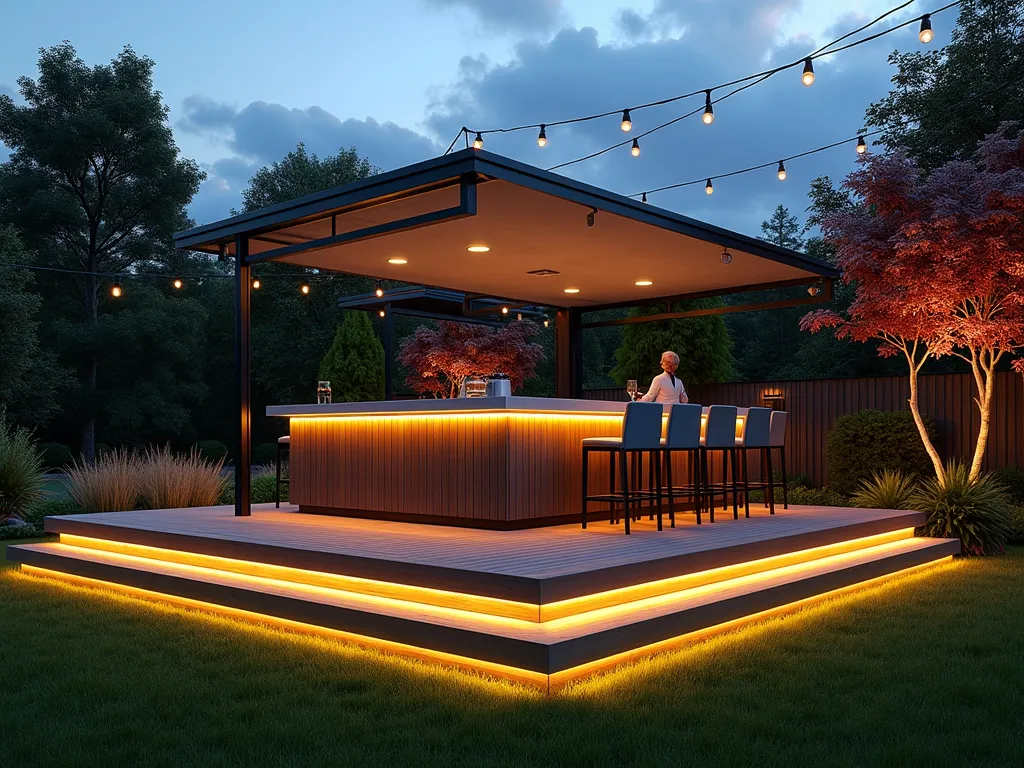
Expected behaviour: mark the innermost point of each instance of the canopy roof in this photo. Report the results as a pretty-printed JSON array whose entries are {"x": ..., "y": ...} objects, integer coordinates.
[
  {"x": 439, "y": 304},
  {"x": 534, "y": 223}
]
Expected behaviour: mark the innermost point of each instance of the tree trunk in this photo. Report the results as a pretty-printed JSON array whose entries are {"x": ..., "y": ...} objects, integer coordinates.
[
  {"x": 984, "y": 378},
  {"x": 933, "y": 454},
  {"x": 89, "y": 374}
]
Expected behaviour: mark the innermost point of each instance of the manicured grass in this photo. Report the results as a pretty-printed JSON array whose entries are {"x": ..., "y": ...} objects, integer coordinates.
[{"x": 925, "y": 670}]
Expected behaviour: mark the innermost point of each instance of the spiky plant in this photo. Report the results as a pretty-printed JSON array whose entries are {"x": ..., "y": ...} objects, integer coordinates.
[
  {"x": 172, "y": 481},
  {"x": 110, "y": 484},
  {"x": 21, "y": 470},
  {"x": 977, "y": 513},
  {"x": 888, "y": 489}
]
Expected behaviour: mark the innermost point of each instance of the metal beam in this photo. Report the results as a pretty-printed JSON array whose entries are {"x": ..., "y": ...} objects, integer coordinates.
[
  {"x": 568, "y": 353},
  {"x": 824, "y": 296},
  {"x": 389, "y": 348},
  {"x": 243, "y": 324},
  {"x": 711, "y": 293}
]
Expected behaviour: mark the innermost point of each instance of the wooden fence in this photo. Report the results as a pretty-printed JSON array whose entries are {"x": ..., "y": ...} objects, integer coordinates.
[{"x": 814, "y": 404}]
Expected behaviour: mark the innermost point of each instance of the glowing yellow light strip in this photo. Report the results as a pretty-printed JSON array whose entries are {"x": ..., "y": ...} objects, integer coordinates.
[
  {"x": 549, "y": 682},
  {"x": 406, "y": 592}
]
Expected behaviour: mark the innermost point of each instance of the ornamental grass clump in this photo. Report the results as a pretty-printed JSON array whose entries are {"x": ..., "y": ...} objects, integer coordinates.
[
  {"x": 112, "y": 483},
  {"x": 975, "y": 511},
  {"x": 170, "y": 481},
  {"x": 21, "y": 470},
  {"x": 888, "y": 489}
]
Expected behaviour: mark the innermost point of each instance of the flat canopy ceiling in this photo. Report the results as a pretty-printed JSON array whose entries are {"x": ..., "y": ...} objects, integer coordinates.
[{"x": 532, "y": 221}]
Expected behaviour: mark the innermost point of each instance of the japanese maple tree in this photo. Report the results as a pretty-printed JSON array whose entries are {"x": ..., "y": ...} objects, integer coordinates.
[
  {"x": 441, "y": 359},
  {"x": 938, "y": 265}
]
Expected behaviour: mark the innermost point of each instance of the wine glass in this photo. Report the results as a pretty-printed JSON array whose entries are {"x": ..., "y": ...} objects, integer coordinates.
[{"x": 631, "y": 389}]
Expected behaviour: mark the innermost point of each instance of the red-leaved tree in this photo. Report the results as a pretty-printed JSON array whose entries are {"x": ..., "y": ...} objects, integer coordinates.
[
  {"x": 440, "y": 359},
  {"x": 938, "y": 265}
]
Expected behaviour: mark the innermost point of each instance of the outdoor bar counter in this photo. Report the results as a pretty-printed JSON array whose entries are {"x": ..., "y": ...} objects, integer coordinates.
[{"x": 496, "y": 462}]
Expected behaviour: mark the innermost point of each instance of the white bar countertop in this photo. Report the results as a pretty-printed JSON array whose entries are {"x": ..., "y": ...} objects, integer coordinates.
[{"x": 455, "y": 405}]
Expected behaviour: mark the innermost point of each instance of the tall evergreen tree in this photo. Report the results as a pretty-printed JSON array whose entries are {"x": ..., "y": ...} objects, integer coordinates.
[
  {"x": 96, "y": 183},
  {"x": 355, "y": 362}
]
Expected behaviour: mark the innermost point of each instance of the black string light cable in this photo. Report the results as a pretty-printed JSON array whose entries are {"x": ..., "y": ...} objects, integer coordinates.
[
  {"x": 825, "y": 50},
  {"x": 859, "y": 138}
]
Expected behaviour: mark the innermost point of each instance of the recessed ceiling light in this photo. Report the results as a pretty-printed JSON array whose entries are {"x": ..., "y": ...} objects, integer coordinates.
[
  {"x": 478, "y": 248},
  {"x": 398, "y": 260},
  {"x": 571, "y": 290},
  {"x": 643, "y": 282}
]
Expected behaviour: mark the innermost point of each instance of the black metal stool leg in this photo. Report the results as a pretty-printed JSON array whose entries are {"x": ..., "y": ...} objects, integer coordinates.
[
  {"x": 624, "y": 478},
  {"x": 698, "y": 501},
  {"x": 277, "y": 478},
  {"x": 611, "y": 488},
  {"x": 586, "y": 489},
  {"x": 671, "y": 491},
  {"x": 651, "y": 475},
  {"x": 735, "y": 485},
  {"x": 746, "y": 483},
  {"x": 785, "y": 488},
  {"x": 770, "y": 488}
]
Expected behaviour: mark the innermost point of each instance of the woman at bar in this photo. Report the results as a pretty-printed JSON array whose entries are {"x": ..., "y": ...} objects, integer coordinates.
[{"x": 666, "y": 386}]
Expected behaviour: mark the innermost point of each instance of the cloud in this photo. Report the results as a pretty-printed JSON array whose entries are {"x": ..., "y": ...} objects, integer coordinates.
[
  {"x": 632, "y": 25},
  {"x": 261, "y": 133},
  {"x": 503, "y": 16},
  {"x": 575, "y": 73}
]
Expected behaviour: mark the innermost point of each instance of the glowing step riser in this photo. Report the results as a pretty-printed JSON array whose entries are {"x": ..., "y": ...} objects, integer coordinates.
[{"x": 476, "y": 603}]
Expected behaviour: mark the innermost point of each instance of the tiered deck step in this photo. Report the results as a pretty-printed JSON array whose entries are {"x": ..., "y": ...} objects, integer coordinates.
[{"x": 498, "y": 601}]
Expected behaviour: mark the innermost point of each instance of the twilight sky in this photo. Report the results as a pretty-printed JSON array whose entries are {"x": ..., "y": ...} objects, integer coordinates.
[{"x": 246, "y": 81}]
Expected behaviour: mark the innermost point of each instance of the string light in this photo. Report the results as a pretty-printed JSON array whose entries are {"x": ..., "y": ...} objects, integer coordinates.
[
  {"x": 381, "y": 313},
  {"x": 862, "y": 146},
  {"x": 708, "y": 188},
  {"x": 115, "y": 290},
  {"x": 808, "y": 76},
  {"x": 726, "y": 257},
  {"x": 478, "y": 142},
  {"x": 926, "y": 35},
  {"x": 592, "y": 217},
  {"x": 635, "y": 151},
  {"x": 504, "y": 310},
  {"x": 379, "y": 290},
  {"x": 177, "y": 283},
  {"x": 782, "y": 171},
  {"x": 256, "y": 284},
  {"x": 547, "y": 322},
  {"x": 709, "y": 113},
  {"x": 643, "y": 199},
  {"x": 814, "y": 290},
  {"x": 305, "y": 289},
  {"x": 542, "y": 137},
  {"x": 626, "y": 123}
]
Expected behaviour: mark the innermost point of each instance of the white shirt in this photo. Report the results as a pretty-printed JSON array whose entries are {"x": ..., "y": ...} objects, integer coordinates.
[{"x": 664, "y": 390}]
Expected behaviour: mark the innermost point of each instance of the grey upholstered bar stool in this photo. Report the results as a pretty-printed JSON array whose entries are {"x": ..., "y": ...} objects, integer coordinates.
[
  {"x": 641, "y": 432},
  {"x": 284, "y": 445},
  {"x": 777, "y": 442},
  {"x": 754, "y": 436},
  {"x": 683, "y": 434},
  {"x": 719, "y": 435}
]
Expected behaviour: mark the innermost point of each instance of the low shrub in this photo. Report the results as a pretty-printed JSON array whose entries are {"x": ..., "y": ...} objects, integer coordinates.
[
  {"x": 8, "y": 532},
  {"x": 212, "y": 450},
  {"x": 798, "y": 494},
  {"x": 49, "y": 507},
  {"x": 886, "y": 490},
  {"x": 977, "y": 513},
  {"x": 862, "y": 444},
  {"x": 264, "y": 453},
  {"x": 21, "y": 470},
  {"x": 170, "y": 481},
  {"x": 1012, "y": 480},
  {"x": 261, "y": 488},
  {"x": 799, "y": 479},
  {"x": 56, "y": 456},
  {"x": 1017, "y": 524},
  {"x": 113, "y": 483}
]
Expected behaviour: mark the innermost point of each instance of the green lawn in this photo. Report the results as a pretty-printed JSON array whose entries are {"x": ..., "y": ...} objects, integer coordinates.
[{"x": 927, "y": 670}]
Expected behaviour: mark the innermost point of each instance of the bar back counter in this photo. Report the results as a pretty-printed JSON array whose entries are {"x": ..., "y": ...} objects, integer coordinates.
[{"x": 494, "y": 462}]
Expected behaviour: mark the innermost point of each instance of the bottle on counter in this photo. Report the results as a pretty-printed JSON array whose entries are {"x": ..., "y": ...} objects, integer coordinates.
[{"x": 323, "y": 392}]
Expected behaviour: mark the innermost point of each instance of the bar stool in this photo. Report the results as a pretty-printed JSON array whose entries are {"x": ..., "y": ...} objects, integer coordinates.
[
  {"x": 754, "y": 436},
  {"x": 683, "y": 434},
  {"x": 777, "y": 441},
  {"x": 641, "y": 432},
  {"x": 719, "y": 435},
  {"x": 284, "y": 446}
]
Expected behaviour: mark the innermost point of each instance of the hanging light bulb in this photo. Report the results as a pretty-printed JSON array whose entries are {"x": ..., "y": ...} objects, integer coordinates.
[
  {"x": 305, "y": 289},
  {"x": 926, "y": 34},
  {"x": 379, "y": 290},
  {"x": 177, "y": 283},
  {"x": 643, "y": 198},
  {"x": 626, "y": 123},
  {"x": 256, "y": 284},
  {"x": 808, "y": 76},
  {"x": 547, "y": 322},
  {"x": 862, "y": 146},
  {"x": 726, "y": 257},
  {"x": 504, "y": 310},
  {"x": 782, "y": 171},
  {"x": 635, "y": 151},
  {"x": 542, "y": 137},
  {"x": 478, "y": 142},
  {"x": 814, "y": 290},
  {"x": 115, "y": 290},
  {"x": 708, "y": 189},
  {"x": 381, "y": 313},
  {"x": 709, "y": 113}
]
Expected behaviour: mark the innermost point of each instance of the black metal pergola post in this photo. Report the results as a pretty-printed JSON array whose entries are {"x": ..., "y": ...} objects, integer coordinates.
[
  {"x": 389, "y": 349},
  {"x": 243, "y": 325}
]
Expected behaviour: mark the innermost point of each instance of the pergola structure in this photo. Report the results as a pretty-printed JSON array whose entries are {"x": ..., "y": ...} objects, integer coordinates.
[{"x": 497, "y": 229}]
